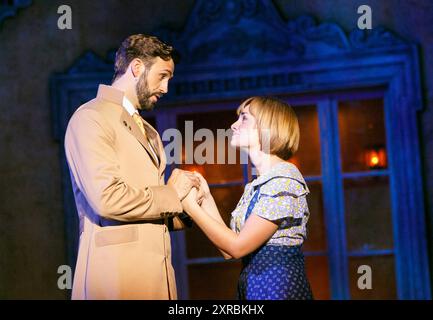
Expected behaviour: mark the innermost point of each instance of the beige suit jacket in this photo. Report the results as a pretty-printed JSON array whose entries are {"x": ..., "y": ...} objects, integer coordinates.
[{"x": 123, "y": 205}]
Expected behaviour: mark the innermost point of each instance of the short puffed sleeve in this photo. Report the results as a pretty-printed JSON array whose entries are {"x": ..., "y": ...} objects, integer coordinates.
[{"x": 281, "y": 198}]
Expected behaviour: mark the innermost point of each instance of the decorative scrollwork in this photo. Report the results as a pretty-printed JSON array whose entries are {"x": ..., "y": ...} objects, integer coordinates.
[
  {"x": 374, "y": 38},
  {"x": 9, "y": 8},
  {"x": 90, "y": 62},
  {"x": 252, "y": 30}
]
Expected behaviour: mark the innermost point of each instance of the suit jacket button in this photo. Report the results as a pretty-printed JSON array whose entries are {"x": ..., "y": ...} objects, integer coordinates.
[{"x": 124, "y": 122}]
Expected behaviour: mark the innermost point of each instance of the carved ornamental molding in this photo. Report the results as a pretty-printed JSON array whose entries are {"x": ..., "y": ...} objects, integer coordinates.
[
  {"x": 253, "y": 29},
  {"x": 221, "y": 35},
  {"x": 9, "y": 8}
]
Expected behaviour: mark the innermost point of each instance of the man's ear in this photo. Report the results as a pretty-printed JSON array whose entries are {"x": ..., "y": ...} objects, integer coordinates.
[{"x": 136, "y": 66}]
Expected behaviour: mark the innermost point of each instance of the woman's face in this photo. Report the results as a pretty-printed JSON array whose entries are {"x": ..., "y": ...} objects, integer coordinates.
[{"x": 245, "y": 133}]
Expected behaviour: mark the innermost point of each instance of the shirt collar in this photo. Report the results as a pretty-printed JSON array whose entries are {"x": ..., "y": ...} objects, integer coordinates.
[
  {"x": 282, "y": 169},
  {"x": 128, "y": 106}
]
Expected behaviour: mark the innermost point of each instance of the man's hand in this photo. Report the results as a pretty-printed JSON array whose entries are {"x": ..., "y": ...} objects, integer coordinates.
[{"x": 183, "y": 181}]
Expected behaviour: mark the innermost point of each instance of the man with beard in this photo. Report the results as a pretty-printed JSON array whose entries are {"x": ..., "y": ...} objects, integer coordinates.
[{"x": 117, "y": 162}]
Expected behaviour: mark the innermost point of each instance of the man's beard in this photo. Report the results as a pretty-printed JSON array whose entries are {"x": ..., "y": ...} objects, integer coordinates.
[{"x": 144, "y": 94}]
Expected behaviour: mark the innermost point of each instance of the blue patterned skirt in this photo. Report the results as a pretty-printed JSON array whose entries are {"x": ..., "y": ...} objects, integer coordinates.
[{"x": 274, "y": 273}]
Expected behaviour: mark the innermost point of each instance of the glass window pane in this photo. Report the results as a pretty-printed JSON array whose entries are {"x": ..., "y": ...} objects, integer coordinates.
[
  {"x": 362, "y": 135},
  {"x": 316, "y": 237},
  {"x": 368, "y": 213},
  {"x": 307, "y": 158},
  {"x": 214, "y": 280},
  {"x": 318, "y": 274},
  {"x": 197, "y": 244},
  {"x": 212, "y": 154},
  {"x": 383, "y": 281}
]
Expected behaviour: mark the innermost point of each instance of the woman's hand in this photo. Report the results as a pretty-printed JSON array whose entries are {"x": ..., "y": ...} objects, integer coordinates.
[
  {"x": 204, "y": 187},
  {"x": 208, "y": 202},
  {"x": 189, "y": 203}
]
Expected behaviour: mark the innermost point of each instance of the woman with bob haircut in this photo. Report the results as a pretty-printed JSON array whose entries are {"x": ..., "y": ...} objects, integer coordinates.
[{"x": 268, "y": 226}]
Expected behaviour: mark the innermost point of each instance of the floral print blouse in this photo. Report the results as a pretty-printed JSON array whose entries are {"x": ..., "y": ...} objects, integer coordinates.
[{"x": 281, "y": 199}]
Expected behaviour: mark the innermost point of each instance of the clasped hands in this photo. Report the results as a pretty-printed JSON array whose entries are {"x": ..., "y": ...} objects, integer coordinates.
[{"x": 191, "y": 188}]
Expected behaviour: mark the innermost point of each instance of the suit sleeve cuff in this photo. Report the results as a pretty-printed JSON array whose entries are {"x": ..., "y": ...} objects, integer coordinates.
[{"x": 166, "y": 201}]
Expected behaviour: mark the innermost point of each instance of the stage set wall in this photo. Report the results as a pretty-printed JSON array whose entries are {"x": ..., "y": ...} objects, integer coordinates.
[{"x": 32, "y": 48}]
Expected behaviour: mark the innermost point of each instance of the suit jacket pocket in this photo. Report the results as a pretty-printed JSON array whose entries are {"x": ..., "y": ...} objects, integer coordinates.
[{"x": 116, "y": 236}]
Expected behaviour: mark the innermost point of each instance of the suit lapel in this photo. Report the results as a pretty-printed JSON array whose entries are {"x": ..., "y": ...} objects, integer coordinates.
[
  {"x": 162, "y": 158},
  {"x": 113, "y": 95},
  {"x": 133, "y": 129},
  {"x": 153, "y": 134}
]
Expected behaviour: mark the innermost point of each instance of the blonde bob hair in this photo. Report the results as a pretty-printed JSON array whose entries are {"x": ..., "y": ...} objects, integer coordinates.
[{"x": 275, "y": 119}]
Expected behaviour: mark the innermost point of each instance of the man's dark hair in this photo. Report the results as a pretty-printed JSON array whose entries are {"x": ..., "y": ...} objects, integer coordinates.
[{"x": 141, "y": 46}]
